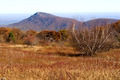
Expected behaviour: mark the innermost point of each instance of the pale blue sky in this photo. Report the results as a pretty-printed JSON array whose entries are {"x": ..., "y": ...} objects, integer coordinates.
[{"x": 58, "y": 6}]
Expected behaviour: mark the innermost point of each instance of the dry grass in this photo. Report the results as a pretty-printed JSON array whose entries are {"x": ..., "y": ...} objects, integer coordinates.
[{"x": 20, "y": 63}]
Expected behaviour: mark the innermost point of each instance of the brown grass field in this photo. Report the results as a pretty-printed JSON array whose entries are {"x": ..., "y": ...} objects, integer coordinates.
[{"x": 18, "y": 62}]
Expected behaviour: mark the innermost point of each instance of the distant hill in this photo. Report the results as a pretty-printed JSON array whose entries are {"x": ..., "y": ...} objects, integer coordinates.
[
  {"x": 99, "y": 22},
  {"x": 45, "y": 21}
]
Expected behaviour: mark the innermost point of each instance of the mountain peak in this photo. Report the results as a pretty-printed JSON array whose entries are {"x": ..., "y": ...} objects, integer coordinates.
[
  {"x": 43, "y": 21},
  {"x": 42, "y": 14}
]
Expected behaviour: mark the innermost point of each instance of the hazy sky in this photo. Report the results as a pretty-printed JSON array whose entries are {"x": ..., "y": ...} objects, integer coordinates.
[{"x": 58, "y": 6}]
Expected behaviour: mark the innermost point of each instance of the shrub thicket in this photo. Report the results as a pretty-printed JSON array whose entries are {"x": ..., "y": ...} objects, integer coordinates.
[
  {"x": 49, "y": 36},
  {"x": 4, "y": 33},
  {"x": 11, "y": 37},
  {"x": 19, "y": 35},
  {"x": 116, "y": 26},
  {"x": 28, "y": 40},
  {"x": 64, "y": 34},
  {"x": 31, "y": 32},
  {"x": 89, "y": 41}
]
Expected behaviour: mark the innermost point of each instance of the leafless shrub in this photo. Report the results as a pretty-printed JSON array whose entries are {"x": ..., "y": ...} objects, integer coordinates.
[{"x": 92, "y": 40}]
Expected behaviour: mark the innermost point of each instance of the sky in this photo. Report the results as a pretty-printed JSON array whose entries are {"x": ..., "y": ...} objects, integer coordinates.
[{"x": 58, "y": 6}]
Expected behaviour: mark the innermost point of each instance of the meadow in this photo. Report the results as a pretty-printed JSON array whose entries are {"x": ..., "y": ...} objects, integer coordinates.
[{"x": 53, "y": 62}]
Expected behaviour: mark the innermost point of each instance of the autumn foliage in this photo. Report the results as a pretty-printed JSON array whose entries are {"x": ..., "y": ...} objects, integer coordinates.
[
  {"x": 4, "y": 33},
  {"x": 11, "y": 37},
  {"x": 18, "y": 35},
  {"x": 116, "y": 26},
  {"x": 64, "y": 34},
  {"x": 49, "y": 35},
  {"x": 31, "y": 32},
  {"x": 28, "y": 37}
]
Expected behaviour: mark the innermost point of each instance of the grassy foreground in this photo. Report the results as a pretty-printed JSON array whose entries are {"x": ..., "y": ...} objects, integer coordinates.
[{"x": 18, "y": 62}]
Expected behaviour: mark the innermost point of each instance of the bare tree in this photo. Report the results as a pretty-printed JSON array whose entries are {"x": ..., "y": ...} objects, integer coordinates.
[{"x": 92, "y": 40}]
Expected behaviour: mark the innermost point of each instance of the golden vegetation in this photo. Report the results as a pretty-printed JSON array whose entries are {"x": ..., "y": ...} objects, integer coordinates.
[{"x": 19, "y": 63}]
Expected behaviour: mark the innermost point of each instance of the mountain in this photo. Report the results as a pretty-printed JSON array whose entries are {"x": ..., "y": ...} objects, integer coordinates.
[
  {"x": 45, "y": 21},
  {"x": 99, "y": 22}
]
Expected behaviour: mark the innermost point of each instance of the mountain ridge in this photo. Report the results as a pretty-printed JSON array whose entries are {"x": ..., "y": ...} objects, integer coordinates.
[
  {"x": 99, "y": 22},
  {"x": 45, "y": 21}
]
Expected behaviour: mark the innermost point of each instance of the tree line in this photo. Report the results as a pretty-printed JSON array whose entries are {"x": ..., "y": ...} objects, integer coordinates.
[{"x": 30, "y": 37}]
